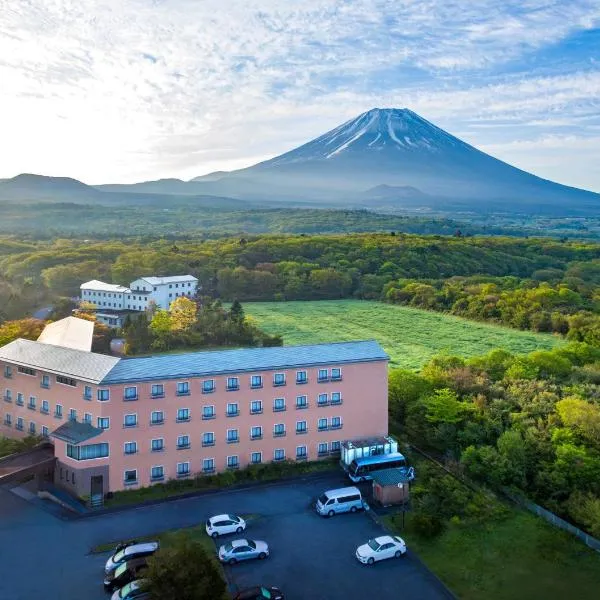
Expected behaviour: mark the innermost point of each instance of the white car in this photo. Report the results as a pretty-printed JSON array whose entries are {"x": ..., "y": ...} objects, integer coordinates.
[
  {"x": 380, "y": 548},
  {"x": 224, "y": 524}
]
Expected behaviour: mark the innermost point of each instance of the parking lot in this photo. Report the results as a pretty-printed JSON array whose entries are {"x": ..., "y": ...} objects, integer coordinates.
[{"x": 311, "y": 557}]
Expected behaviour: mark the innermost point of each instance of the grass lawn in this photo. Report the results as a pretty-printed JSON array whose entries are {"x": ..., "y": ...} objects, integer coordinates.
[
  {"x": 518, "y": 558},
  {"x": 410, "y": 336}
]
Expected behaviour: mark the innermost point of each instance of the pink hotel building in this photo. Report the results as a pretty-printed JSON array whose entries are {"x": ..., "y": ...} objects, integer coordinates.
[{"x": 118, "y": 423}]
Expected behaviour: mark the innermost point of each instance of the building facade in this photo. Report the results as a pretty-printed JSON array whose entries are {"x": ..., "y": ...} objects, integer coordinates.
[
  {"x": 112, "y": 301},
  {"x": 121, "y": 423}
]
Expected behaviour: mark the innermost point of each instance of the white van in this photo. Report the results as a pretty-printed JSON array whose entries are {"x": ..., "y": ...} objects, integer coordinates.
[{"x": 334, "y": 502}]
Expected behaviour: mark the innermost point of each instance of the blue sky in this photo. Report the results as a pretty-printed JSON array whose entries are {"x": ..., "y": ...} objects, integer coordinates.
[{"x": 129, "y": 90}]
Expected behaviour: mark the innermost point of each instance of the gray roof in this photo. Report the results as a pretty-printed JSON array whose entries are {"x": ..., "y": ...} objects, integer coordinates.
[
  {"x": 170, "y": 279},
  {"x": 74, "y": 432},
  {"x": 389, "y": 476},
  {"x": 85, "y": 366},
  {"x": 199, "y": 364}
]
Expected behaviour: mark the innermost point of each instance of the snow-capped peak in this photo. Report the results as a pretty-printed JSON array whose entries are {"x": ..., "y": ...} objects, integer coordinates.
[{"x": 381, "y": 130}]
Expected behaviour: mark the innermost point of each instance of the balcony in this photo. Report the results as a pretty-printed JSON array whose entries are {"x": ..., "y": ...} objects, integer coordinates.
[
  {"x": 279, "y": 409},
  {"x": 279, "y": 434},
  {"x": 184, "y": 446},
  {"x": 256, "y": 437},
  {"x": 157, "y": 395},
  {"x": 336, "y": 402},
  {"x": 233, "y": 467},
  {"x": 304, "y": 457},
  {"x": 232, "y": 388},
  {"x": 182, "y": 393},
  {"x": 208, "y": 470},
  {"x": 233, "y": 414},
  {"x": 130, "y": 398},
  {"x": 206, "y": 417},
  {"x": 323, "y": 403},
  {"x": 301, "y": 431},
  {"x": 7, "y": 399},
  {"x": 183, "y": 475},
  {"x": 301, "y": 406},
  {"x": 159, "y": 422},
  {"x": 233, "y": 440},
  {"x": 258, "y": 411},
  {"x": 322, "y": 428},
  {"x": 337, "y": 426},
  {"x": 184, "y": 419}
]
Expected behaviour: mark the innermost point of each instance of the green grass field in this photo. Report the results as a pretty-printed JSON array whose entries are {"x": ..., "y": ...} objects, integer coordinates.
[
  {"x": 519, "y": 558},
  {"x": 409, "y": 335}
]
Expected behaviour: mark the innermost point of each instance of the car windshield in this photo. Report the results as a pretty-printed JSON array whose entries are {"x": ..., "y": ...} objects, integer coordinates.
[
  {"x": 234, "y": 518},
  {"x": 126, "y": 590},
  {"x": 228, "y": 547},
  {"x": 120, "y": 570},
  {"x": 265, "y": 593},
  {"x": 323, "y": 499},
  {"x": 119, "y": 556},
  {"x": 252, "y": 544},
  {"x": 373, "y": 545}
]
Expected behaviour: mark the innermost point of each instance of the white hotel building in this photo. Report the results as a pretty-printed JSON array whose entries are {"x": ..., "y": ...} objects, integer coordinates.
[{"x": 113, "y": 300}]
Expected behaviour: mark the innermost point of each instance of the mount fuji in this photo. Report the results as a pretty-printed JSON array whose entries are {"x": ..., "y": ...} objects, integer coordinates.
[{"x": 394, "y": 156}]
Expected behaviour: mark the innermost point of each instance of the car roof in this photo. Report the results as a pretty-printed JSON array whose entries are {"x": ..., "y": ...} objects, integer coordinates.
[
  {"x": 221, "y": 517},
  {"x": 342, "y": 491},
  {"x": 145, "y": 547},
  {"x": 237, "y": 543}
]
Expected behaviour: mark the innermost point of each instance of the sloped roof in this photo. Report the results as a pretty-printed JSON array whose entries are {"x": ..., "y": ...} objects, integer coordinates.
[
  {"x": 389, "y": 476},
  {"x": 101, "y": 286},
  {"x": 198, "y": 364},
  {"x": 171, "y": 279},
  {"x": 86, "y": 366},
  {"x": 74, "y": 432},
  {"x": 70, "y": 332}
]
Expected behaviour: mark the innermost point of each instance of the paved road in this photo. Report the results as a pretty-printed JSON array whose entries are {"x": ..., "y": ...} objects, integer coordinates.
[{"x": 44, "y": 557}]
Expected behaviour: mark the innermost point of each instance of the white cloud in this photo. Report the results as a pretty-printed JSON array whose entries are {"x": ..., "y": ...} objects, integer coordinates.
[{"x": 123, "y": 90}]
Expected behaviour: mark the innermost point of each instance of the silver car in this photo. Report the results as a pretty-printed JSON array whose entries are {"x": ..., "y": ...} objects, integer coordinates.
[{"x": 238, "y": 550}]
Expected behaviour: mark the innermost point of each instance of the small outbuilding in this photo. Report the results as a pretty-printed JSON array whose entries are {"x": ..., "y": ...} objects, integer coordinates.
[{"x": 390, "y": 486}]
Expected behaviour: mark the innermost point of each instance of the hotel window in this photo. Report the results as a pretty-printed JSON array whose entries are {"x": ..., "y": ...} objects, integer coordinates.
[
  {"x": 256, "y": 407},
  {"x": 130, "y": 447},
  {"x": 130, "y": 393},
  {"x": 32, "y": 428},
  {"x": 256, "y": 458},
  {"x": 183, "y": 414},
  {"x": 336, "y": 374},
  {"x": 157, "y": 417},
  {"x": 336, "y": 422},
  {"x": 301, "y": 452},
  {"x": 130, "y": 421},
  {"x": 103, "y": 422},
  {"x": 301, "y": 427},
  {"x": 323, "y": 400},
  {"x": 301, "y": 377},
  {"x": 31, "y": 403},
  {"x": 208, "y": 439},
  {"x": 7, "y": 371},
  {"x": 103, "y": 395},
  {"x": 26, "y": 370},
  {"x": 322, "y": 449},
  {"x": 58, "y": 412},
  {"x": 72, "y": 414},
  {"x": 87, "y": 452},
  {"x": 279, "y": 379},
  {"x": 183, "y": 442},
  {"x": 323, "y": 375},
  {"x": 66, "y": 380},
  {"x": 208, "y": 412},
  {"x": 233, "y": 410},
  {"x": 45, "y": 431},
  {"x": 130, "y": 477},
  {"x": 278, "y": 404},
  {"x": 87, "y": 418},
  {"x": 183, "y": 469},
  {"x": 8, "y": 396},
  {"x": 8, "y": 420},
  {"x": 279, "y": 454},
  {"x": 233, "y": 436},
  {"x": 87, "y": 393},
  {"x": 45, "y": 381},
  {"x": 158, "y": 390},
  {"x": 301, "y": 402},
  {"x": 45, "y": 409},
  {"x": 157, "y": 473},
  {"x": 208, "y": 386},
  {"x": 19, "y": 401},
  {"x": 208, "y": 465},
  {"x": 336, "y": 398},
  {"x": 157, "y": 445},
  {"x": 233, "y": 383},
  {"x": 256, "y": 433},
  {"x": 233, "y": 462},
  {"x": 256, "y": 382},
  {"x": 335, "y": 446},
  {"x": 19, "y": 424},
  {"x": 322, "y": 426},
  {"x": 183, "y": 388},
  {"x": 279, "y": 430}
]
